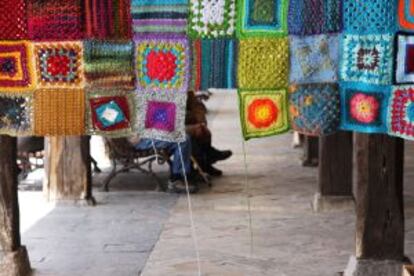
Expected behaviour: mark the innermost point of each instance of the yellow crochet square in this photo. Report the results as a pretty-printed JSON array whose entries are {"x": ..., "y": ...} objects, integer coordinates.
[
  {"x": 59, "y": 112},
  {"x": 263, "y": 63}
]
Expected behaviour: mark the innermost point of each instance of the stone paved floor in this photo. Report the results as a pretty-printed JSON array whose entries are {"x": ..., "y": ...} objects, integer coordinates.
[{"x": 132, "y": 231}]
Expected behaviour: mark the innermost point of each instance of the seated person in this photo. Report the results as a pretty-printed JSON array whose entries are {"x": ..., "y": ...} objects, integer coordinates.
[
  {"x": 176, "y": 182},
  {"x": 196, "y": 124}
]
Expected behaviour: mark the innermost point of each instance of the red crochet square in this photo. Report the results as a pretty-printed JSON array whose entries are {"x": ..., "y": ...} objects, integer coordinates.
[
  {"x": 120, "y": 102},
  {"x": 13, "y": 20},
  {"x": 55, "y": 20}
]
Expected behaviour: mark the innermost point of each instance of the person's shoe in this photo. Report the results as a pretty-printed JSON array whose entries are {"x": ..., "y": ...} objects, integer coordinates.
[
  {"x": 178, "y": 186},
  {"x": 210, "y": 170},
  {"x": 215, "y": 155}
]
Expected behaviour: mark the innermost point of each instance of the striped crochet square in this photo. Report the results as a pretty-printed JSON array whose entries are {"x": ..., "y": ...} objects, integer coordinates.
[
  {"x": 212, "y": 18},
  {"x": 262, "y": 18},
  {"x": 59, "y": 112},
  {"x": 214, "y": 64},
  {"x": 16, "y": 111},
  {"x": 162, "y": 116},
  {"x": 401, "y": 112},
  {"x": 263, "y": 112},
  {"x": 263, "y": 63},
  {"x": 406, "y": 15},
  {"x": 159, "y": 16},
  {"x": 314, "y": 59},
  {"x": 55, "y": 20},
  {"x": 13, "y": 20},
  {"x": 162, "y": 63},
  {"x": 59, "y": 64},
  {"x": 364, "y": 107},
  {"x": 108, "y": 19},
  {"x": 404, "y": 63},
  {"x": 369, "y": 16},
  {"x": 309, "y": 17},
  {"x": 110, "y": 114},
  {"x": 109, "y": 64},
  {"x": 367, "y": 58},
  {"x": 314, "y": 108},
  {"x": 16, "y": 66}
]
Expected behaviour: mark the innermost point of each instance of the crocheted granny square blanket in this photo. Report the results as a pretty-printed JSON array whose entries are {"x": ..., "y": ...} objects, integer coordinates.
[
  {"x": 212, "y": 18},
  {"x": 364, "y": 107},
  {"x": 162, "y": 116},
  {"x": 401, "y": 112},
  {"x": 263, "y": 63},
  {"x": 159, "y": 16},
  {"x": 162, "y": 63},
  {"x": 59, "y": 64},
  {"x": 16, "y": 113},
  {"x": 214, "y": 64},
  {"x": 263, "y": 112},
  {"x": 110, "y": 113},
  {"x": 309, "y": 17},
  {"x": 314, "y": 109},
  {"x": 367, "y": 58},
  {"x": 263, "y": 18},
  {"x": 404, "y": 63},
  {"x": 314, "y": 59}
]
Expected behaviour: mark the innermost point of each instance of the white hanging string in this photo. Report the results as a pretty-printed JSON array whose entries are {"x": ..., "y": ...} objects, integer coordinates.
[
  {"x": 248, "y": 195},
  {"x": 190, "y": 212},
  {"x": 155, "y": 150}
]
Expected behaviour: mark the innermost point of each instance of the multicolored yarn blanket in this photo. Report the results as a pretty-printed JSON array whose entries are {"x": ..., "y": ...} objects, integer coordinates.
[{"x": 115, "y": 67}]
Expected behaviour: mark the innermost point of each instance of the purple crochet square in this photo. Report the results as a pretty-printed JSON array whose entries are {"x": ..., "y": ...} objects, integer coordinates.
[{"x": 161, "y": 116}]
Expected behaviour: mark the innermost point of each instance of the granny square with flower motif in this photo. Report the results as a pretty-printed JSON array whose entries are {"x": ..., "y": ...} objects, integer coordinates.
[{"x": 401, "y": 112}]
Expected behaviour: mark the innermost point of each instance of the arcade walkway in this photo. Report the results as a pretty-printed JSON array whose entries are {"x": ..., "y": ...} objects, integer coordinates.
[{"x": 134, "y": 230}]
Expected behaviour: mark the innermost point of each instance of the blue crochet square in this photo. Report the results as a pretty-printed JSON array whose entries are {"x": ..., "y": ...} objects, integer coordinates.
[
  {"x": 369, "y": 16},
  {"x": 110, "y": 114},
  {"x": 314, "y": 59},
  {"x": 307, "y": 17},
  {"x": 364, "y": 107},
  {"x": 367, "y": 58}
]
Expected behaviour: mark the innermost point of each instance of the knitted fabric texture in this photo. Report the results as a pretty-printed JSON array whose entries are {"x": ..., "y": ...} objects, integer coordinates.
[
  {"x": 109, "y": 64},
  {"x": 59, "y": 112},
  {"x": 263, "y": 63},
  {"x": 159, "y": 16},
  {"x": 162, "y": 116},
  {"x": 13, "y": 20},
  {"x": 369, "y": 16},
  {"x": 262, "y": 18},
  {"x": 16, "y": 66},
  {"x": 162, "y": 63},
  {"x": 404, "y": 63},
  {"x": 212, "y": 18},
  {"x": 16, "y": 114},
  {"x": 314, "y": 59},
  {"x": 110, "y": 114},
  {"x": 55, "y": 20},
  {"x": 214, "y": 64},
  {"x": 364, "y": 107},
  {"x": 308, "y": 17},
  {"x": 406, "y": 15},
  {"x": 263, "y": 112},
  {"x": 108, "y": 19},
  {"x": 59, "y": 64},
  {"x": 401, "y": 112},
  {"x": 315, "y": 108},
  {"x": 367, "y": 58}
]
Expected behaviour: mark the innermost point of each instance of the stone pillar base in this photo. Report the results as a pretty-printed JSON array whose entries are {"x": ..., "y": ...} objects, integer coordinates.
[
  {"x": 359, "y": 267},
  {"x": 16, "y": 263},
  {"x": 332, "y": 203}
]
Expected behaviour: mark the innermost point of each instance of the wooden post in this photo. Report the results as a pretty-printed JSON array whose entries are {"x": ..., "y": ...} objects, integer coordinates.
[
  {"x": 310, "y": 151},
  {"x": 68, "y": 169},
  {"x": 335, "y": 173},
  {"x": 16, "y": 260},
  {"x": 379, "y": 206}
]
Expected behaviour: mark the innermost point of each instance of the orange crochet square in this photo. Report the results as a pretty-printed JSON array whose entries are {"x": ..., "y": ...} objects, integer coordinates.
[{"x": 59, "y": 112}]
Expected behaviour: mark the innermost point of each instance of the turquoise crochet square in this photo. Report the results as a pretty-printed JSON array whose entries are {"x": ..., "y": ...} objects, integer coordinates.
[
  {"x": 110, "y": 114},
  {"x": 367, "y": 58}
]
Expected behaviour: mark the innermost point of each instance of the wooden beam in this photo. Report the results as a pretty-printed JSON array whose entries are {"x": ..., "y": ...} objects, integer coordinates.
[
  {"x": 68, "y": 169},
  {"x": 16, "y": 260}
]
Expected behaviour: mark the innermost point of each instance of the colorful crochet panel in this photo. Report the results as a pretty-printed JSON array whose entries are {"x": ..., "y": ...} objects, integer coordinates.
[
  {"x": 404, "y": 68},
  {"x": 16, "y": 113},
  {"x": 401, "y": 112},
  {"x": 13, "y": 20}
]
